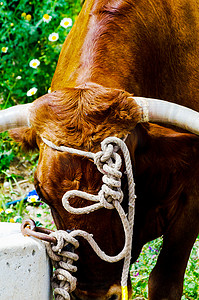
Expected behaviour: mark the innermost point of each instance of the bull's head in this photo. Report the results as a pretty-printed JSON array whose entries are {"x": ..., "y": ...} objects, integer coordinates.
[{"x": 81, "y": 118}]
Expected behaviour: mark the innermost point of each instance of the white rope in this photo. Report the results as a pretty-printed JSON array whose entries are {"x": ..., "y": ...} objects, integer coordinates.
[
  {"x": 67, "y": 149},
  {"x": 63, "y": 282},
  {"x": 110, "y": 196}
]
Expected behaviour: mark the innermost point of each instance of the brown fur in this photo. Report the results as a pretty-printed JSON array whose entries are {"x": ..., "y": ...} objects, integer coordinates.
[
  {"x": 141, "y": 51},
  {"x": 26, "y": 137},
  {"x": 116, "y": 48},
  {"x": 85, "y": 113}
]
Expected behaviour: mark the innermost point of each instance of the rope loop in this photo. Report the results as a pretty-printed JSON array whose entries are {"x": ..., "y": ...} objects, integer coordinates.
[
  {"x": 63, "y": 239},
  {"x": 98, "y": 162},
  {"x": 110, "y": 196},
  {"x": 107, "y": 153},
  {"x": 105, "y": 202},
  {"x": 61, "y": 293}
]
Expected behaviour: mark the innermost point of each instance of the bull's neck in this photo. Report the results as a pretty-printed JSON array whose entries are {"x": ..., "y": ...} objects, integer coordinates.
[
  {"x": 133, "y": 45},
  {"x": 94, "y": 50}
]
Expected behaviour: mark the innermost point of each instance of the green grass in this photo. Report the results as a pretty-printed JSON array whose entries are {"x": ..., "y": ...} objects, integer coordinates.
[{"x": 141, "y": 269}]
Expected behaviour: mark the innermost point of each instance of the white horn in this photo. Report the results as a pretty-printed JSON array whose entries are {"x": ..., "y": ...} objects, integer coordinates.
[
  {"x": 154, "y": 110},
  {"x": 14, "y": 117}
]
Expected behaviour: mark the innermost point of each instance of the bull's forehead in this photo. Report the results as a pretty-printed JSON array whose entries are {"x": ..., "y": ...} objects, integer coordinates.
[{"x": 82, "y": 117}]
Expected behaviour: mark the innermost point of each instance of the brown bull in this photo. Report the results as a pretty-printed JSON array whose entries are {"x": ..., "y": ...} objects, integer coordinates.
[{"x": 115, "y": 49}]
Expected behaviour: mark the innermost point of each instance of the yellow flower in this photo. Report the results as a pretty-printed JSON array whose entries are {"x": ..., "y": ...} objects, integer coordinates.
[
  {"x": 12, "y": 220},
  {"x": 1, "y": 210},
  {"x": 12, "y": 24},
  {"x": 53, "y": 37},
  {"x": 32, "y": 91},
  {"x": 28, "y": 17},
  {"x": 23, "y": 15},
  {"x": 46, "y": 18},
  {"x": 34, "y": 63},
  {"x": 4, "y": 49},
  {"x": 66, "y": 22},
  {"x": 49, "y": 90}
]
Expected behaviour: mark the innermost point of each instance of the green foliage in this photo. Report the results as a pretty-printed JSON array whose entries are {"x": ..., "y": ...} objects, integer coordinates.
[
  {"x": 25, "y": 27},
  {"x": 7, "y": 151},
  {"x": 11, "y": 214},
  {"x": 191, "y": 287},
  {"x": 24, "y": 37},
  {"x": 142, "y": 268}
]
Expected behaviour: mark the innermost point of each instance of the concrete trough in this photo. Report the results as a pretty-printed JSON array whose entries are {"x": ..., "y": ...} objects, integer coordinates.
[{"x": 24, "y": 266}]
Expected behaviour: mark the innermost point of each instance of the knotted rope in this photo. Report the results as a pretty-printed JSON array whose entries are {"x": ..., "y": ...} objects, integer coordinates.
[{"x": 110, "y": 196}]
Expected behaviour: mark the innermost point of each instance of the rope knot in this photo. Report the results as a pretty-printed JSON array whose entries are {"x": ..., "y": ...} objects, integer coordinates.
[
  {"x": 110, "y": 196},
  {"x": 62, "y": 258},
  {"x": 63, "y": 239},
  {"x": 109, "y": 163}
]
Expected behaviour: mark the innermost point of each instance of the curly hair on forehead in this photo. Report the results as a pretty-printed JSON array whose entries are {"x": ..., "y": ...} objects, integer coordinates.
[{"x": 85, "y": 115}]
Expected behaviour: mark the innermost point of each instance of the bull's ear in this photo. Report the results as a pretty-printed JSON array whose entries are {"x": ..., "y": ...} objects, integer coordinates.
[{"x": 26, "y": 137}]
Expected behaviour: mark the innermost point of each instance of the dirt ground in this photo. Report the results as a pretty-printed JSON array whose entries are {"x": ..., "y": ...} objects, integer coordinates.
[
  {"x": 19, "y": 180},
  {"x": 17, "y": 185}
]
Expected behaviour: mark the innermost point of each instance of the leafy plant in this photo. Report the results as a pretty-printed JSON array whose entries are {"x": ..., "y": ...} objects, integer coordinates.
[
  {"x": 7, "y": 151},
  {"x": 142, "y": 268},
  {"x": 29, "y": 53},
  {"x": 26, "y": 29}
]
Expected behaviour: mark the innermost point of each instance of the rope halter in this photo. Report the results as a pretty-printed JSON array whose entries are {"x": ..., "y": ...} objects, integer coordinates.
[{"x": 110, "y": 196}]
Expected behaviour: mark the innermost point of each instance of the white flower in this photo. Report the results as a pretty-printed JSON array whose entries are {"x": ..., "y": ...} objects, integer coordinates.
[
  {"x": 53, "y": 37},
  {"x": 49, "y": 90},
  {"x": 46, "y": 18},
  {"x": 17, "y": 218},
  {"x": 66, "y": 22},
  {"x": 32, "y": 91},
  {"x": 6, "y": 184},
  {"x": 34, "y": 63},
  {"x": 8, "y": 211},
  {"x": 29, "y": 208},
  {"x": 4, "y": 49},
  {"x": 18, "y": 77},
  {"x": 33, "y": 199}
]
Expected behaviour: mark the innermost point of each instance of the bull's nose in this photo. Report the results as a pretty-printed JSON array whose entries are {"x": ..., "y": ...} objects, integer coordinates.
[
  {"x": 83, "y": 297},
  {"x": 114, "y": 297},
  {"x": 114, "y": 293}
]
